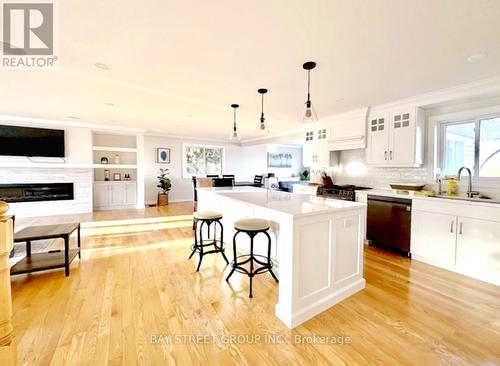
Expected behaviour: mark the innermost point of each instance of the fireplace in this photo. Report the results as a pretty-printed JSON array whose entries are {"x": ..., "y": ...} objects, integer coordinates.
[{"x": 36, "y": 192}]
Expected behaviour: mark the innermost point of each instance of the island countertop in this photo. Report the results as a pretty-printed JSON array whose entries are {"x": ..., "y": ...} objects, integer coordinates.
[
  {"x": 316, "y": 244},
  {"x": 284, "y": 202}
]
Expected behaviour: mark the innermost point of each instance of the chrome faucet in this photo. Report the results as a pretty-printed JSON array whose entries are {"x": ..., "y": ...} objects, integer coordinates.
[{"x": 470, "y": 192}]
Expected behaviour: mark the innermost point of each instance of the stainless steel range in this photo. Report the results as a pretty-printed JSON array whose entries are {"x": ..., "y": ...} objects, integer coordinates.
[{"x": 340, "y": 192}]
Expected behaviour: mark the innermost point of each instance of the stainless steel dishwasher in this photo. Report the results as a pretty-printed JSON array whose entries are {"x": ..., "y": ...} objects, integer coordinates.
[{"x": 389, "y": 223}]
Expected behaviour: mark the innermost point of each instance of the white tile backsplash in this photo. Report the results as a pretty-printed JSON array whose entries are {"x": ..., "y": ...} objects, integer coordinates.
[{"x": 353, "y": 170}]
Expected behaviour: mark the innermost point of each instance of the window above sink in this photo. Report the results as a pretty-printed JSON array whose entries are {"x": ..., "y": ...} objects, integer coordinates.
[{"x": 473, "y": 143}]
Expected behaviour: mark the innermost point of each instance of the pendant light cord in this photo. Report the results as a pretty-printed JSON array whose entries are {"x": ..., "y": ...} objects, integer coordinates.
[
  {"x": 262, "y": 107},
  {"x": 308, "y": 85},
  {"x": 234, "y": 125}
]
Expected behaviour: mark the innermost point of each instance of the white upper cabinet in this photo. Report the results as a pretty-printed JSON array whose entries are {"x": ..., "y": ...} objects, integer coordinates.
[
  {"x": 340, "y": 132},
  {"x": 396, "y": 137},
  {"x": 322, "y": 147},
  {"x": 308, "y": 147},
  {"x": 378, "y": 139},
  {"x": 316, "y": 152}
]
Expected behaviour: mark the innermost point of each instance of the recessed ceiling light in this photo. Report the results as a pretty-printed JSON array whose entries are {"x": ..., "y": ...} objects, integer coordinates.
[
  {"x": 110, "y": 104},
  {"x": 477, "y": 57},
  {"x": 74, "y": 117},
  {"x": 101, "y": 66}
]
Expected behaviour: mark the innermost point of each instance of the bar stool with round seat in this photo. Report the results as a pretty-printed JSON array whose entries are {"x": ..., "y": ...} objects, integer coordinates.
[
  {"x": 252, "y": 227},
  {"x": 207, "y": 218}
]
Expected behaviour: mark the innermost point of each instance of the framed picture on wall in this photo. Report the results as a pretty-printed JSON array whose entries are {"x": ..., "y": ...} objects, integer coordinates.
[
  {"x": 279, "y": 160},
  {"x": 163, "y": 155}
]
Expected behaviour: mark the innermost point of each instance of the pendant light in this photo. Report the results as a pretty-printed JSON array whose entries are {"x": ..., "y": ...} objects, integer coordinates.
[
  {"x": 263, "y": 124},
  {"x": 234, "y": 134},
  {"x": 308, "y": 114}
]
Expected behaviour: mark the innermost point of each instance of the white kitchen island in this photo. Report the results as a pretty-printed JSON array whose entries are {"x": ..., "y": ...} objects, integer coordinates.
[{"x": 317, "y": 244}]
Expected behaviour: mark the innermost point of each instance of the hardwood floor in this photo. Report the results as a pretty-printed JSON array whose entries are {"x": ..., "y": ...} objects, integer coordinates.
[{"x": 134, "y": 294}]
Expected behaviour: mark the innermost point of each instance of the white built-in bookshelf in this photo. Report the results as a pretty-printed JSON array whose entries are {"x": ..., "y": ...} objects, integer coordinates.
[
  {"x": 111, "y": 145},
  {"x": 121, "y": 153}
]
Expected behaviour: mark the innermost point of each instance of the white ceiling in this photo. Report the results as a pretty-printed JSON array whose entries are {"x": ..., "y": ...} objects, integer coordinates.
[{"x": 170, "y": 60}]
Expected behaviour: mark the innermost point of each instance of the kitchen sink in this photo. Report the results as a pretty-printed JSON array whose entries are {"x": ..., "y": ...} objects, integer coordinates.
[{"x": 474, "y": 199}]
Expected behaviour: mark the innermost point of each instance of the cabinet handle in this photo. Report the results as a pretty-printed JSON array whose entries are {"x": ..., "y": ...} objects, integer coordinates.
[
  {"x": 451, "y": 228},
  {"x": 390, "y": 155},
  {"x": 385, "y": 155},
  {"x": 460, "y": 229}
]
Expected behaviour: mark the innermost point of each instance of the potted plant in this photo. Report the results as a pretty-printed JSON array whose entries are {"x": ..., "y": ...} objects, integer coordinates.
[
  {"x": 304, "y": 175},
  {"x": 164, "y": 183}
]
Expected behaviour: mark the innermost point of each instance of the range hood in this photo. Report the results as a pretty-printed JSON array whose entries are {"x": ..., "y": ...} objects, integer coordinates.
[{"x": 348, "y": 130}]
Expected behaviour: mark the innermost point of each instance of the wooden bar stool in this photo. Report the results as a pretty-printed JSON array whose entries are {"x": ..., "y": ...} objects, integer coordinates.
[
  {"x": 252, "y": 227},
  {"x": 207, "y": 218}
]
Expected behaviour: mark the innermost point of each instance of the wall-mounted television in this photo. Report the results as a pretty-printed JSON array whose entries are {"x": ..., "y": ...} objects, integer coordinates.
[{"x": 28, "y": 141}]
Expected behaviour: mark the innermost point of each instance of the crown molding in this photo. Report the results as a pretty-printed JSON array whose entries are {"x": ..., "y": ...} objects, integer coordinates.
[
  {"x": 480, "y": 88},
  {"x": 187, "y": 138},
  {"x": 50, "y": 122}
]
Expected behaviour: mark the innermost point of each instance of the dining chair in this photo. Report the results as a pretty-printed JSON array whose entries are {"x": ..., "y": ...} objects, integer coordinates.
[
  {"x": 257, "y": 180},
  {"x": 223, "y": 182}
]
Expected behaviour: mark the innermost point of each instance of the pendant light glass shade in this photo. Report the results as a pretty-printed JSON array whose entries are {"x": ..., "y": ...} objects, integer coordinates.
[
  {"x": 263, "y": 125},
  {"x": 308, "y": 113},
  {"x": 235, "y": 137}
]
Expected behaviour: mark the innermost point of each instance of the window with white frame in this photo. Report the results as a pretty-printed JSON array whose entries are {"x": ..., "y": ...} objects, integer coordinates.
[
  {"x": 474, "y": 144},
  {"x": 200, "y": 160}
]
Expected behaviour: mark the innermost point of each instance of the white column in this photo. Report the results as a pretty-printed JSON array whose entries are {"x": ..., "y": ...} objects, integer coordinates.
[{"x": 140, "y": 171}]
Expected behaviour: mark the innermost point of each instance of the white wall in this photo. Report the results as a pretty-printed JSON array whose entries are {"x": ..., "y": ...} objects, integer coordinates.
[
  {"x": 297, "y": 166},
  {"x": 256, "y": 156},
  {"x": 243, "y": 161},
  {"x": 181, "y": 187}
]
